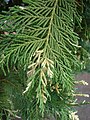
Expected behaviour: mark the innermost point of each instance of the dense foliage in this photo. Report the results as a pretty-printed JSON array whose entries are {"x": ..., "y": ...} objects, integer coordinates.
[{"x": 39, "y": 46}]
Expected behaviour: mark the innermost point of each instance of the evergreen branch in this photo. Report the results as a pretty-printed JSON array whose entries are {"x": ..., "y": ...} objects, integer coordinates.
[{"x": 45, "y": 42}]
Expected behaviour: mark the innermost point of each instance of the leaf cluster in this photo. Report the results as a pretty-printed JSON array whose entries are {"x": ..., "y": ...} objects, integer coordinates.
[{"x": 39, "y": 41}]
